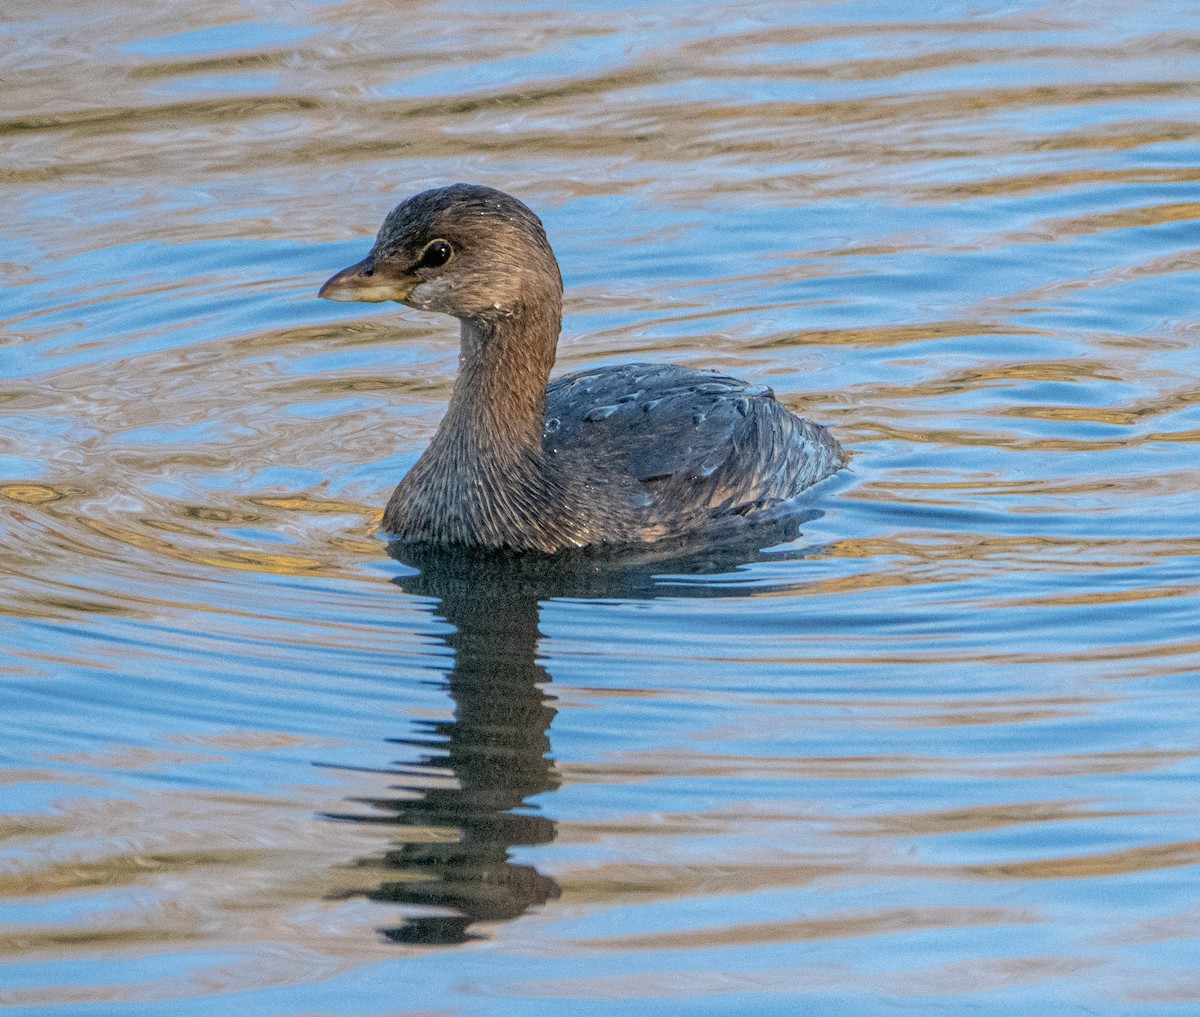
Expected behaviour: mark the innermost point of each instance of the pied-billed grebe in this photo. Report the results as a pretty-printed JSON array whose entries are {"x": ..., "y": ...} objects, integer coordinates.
[{"x": 617, "y": 455}]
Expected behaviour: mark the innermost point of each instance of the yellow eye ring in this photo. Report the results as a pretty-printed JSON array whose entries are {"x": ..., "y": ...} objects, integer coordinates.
[{"x": 436, "y": 254}]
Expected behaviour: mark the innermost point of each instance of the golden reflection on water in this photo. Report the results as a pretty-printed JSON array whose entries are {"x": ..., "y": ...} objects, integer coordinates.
[{"x": 821, "y": 928}]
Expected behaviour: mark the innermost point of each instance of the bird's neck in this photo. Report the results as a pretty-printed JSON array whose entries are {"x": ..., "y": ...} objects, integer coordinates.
[
  {"x": 497, "y": 409},
  {"x": 484, "y": 479}
]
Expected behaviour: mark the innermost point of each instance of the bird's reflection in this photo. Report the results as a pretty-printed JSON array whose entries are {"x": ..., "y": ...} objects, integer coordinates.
[{"x": 464, "y": 804}]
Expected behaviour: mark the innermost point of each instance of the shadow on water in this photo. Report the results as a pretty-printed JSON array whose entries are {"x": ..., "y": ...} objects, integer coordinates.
[{"x": 463, "y": 805}]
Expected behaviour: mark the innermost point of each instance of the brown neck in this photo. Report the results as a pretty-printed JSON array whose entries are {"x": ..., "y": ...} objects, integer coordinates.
[
  {"x": 498, "y": 406},
  {"x": 483, "y": 479}
]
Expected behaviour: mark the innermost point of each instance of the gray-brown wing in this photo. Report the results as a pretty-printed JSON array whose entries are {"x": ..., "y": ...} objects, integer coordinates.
[{"x": 696, "y": 443}]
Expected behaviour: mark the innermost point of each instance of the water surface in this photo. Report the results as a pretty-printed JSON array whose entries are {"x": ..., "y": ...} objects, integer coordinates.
[{"x": 936, "y": 752}]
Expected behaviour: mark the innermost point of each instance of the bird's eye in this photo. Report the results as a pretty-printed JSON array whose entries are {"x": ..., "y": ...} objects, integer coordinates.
[{"x": 436, "y": 254}]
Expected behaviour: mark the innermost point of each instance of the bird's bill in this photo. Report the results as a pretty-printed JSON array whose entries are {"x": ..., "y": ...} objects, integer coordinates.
[{"x": 368, "y": 282}]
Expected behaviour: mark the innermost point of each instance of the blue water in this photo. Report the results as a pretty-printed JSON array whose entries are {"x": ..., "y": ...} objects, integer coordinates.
[{"x": 935, "y": 752}]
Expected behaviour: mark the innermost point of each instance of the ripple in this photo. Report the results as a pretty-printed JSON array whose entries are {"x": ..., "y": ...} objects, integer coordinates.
[{"x": 942, "y": 738}]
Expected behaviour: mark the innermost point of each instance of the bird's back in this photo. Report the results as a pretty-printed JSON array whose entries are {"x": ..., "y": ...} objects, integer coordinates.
[{"x": 686, "y": 449}]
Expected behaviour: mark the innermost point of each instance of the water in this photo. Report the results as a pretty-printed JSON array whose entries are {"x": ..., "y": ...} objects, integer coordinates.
[{"x": 937, "y": 753}]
